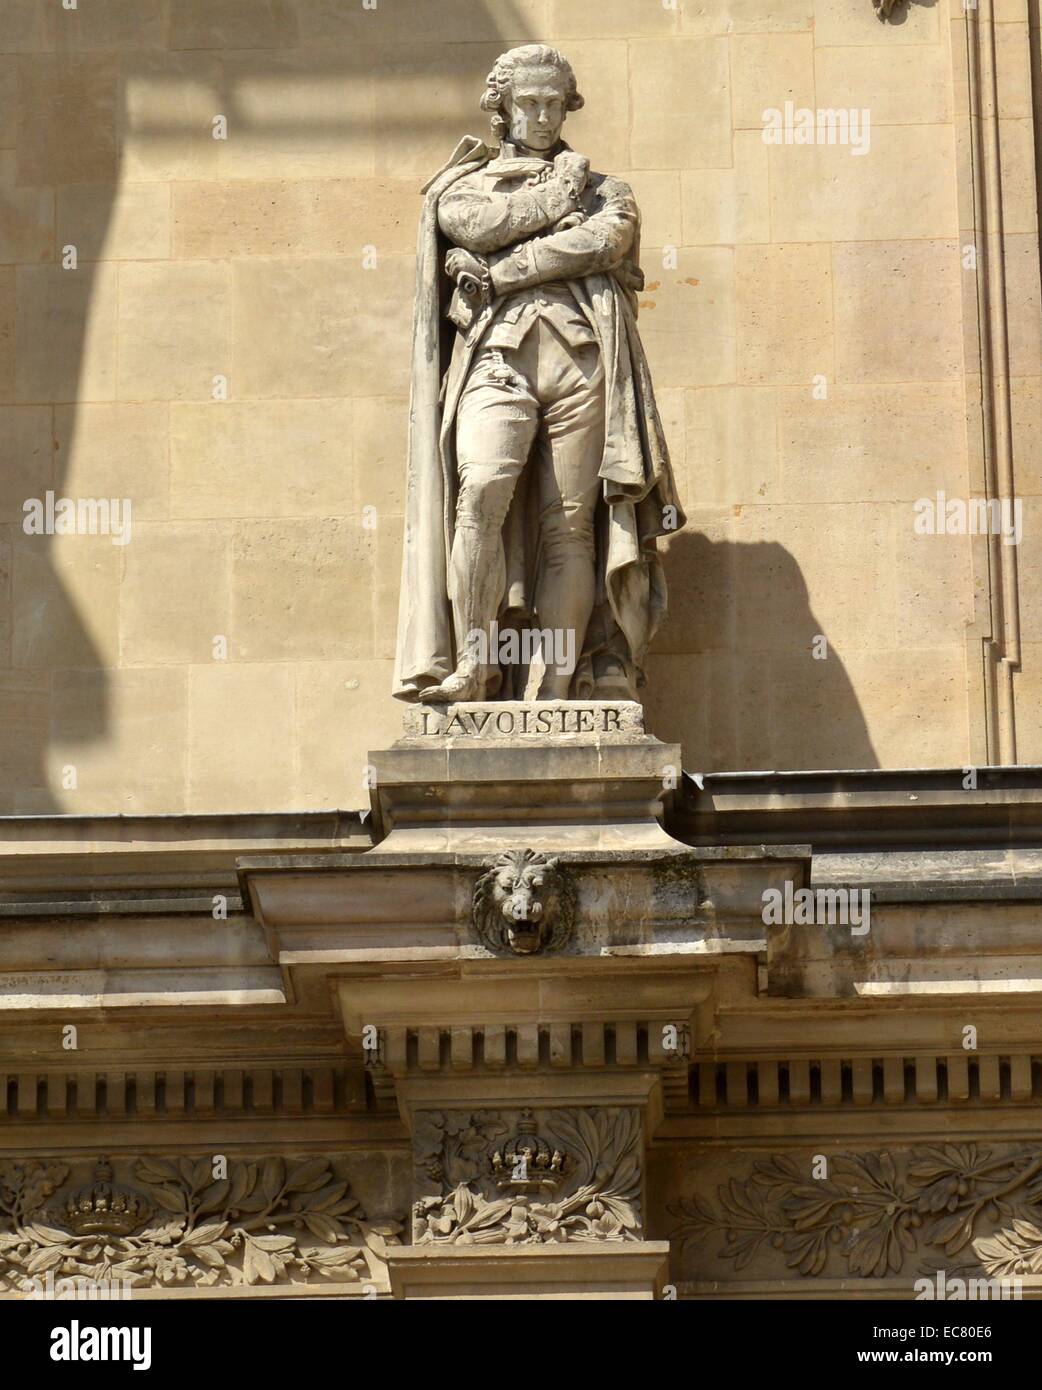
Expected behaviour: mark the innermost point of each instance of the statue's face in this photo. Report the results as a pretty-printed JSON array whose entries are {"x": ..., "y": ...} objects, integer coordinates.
[{"x": 537, "y": 106}]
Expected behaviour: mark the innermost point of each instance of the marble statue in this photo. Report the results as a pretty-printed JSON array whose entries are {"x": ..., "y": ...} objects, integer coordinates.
[{"x": 539, "y": 478}]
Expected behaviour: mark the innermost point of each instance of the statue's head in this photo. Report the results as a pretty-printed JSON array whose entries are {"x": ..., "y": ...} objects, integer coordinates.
[{"x": 530, "y": 92}]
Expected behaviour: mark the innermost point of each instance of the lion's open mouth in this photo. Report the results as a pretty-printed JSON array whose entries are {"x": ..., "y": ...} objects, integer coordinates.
[{"x": 524, "y": 936}]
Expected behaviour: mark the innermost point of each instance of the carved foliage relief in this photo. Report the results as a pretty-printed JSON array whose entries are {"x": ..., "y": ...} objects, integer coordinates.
[
  {"x": 171, "y": 1223},
  {"x": 954, "y": 1207},
  {"x": 514, "y": 1179}
]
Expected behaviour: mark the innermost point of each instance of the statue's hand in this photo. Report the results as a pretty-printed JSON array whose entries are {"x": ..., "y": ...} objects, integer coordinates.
[
  {"x": 629, "y": 275},
  {"x": 470, "y": 272},
  {"x": 573, "y": 219},
  {"x": 573, "y": 168}
]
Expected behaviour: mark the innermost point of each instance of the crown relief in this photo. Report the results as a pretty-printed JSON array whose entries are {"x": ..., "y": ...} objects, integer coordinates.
[
  {"x": 265, "y": 1221},
  {"x": 573, "y": 1175}
]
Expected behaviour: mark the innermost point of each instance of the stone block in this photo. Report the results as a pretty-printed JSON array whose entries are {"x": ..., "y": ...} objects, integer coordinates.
[
  {"x": 175, "y": 596},
  {"x": 933, "y": 585},
  {"x": 380, "y": 436},
  {"x": 133, "y": 720},
  {"x": 301, "y": 590},
  {"x": 295, "y": 217},
  {"x": 169, "y": 102},
  {"x": 293, "y": 117},
  {"x": 173, "y": 330},
  {"x": 115, "y": 451},
  {"x": 913, "y": 704},
  {"x": 898, "y": 311},
  {"x": 829, "y": 193},
  {"x": 67, "y": 120},
  {"x": 843, "y": 23},
  {"x": 767, "y": 70},
  {"x": 337, "y": 323},
  {"x": 263, "y": 459},
  {"x": 681, "y": 101},
  {"x": 687, "y": 317},
  {"x": 8, "y": 102},
  {"x": 784, "y": 313},
  {"x": 65, "y": 601},
  {"x": 729, "y": 205},
  {"x": 66, "y": 333},
  {"x": 241, "y": 751},
  {"x": 23, "y": 28},
  {"x": 232, "y": 24},
  {"x": 658, "y": 196},
  {"x": 871, "y": 443},
  {"x": 1026, "y": 411},
  {"x": 26, "y": 458},
  {"x": 1017, "y": 156},
  {"x": 26, "y": 218},
  {"x": 24, "y": 716},
  {"x": 449, "y": 24},
  {"x": 732, "y": 441},
  {"x": 386, "y": 581},
  {"x": 343, "y": 708},
  {"x": 746, "y": 16},
  {"x": 128, "y": 222},
  {"x": 1025, "y": 305},
  {"x": 7, "y": 327},
  {"x": 898, "y": 85},
  {"x": 610, "y": 19}
]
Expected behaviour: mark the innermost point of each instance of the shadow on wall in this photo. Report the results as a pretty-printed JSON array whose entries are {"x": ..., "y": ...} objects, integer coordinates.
[
  {"x": 232, "y": 61},
  {"x": 733, "y": 675}
]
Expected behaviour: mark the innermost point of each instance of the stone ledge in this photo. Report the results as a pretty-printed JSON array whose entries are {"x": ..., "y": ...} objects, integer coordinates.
[{"x": 614, "y": 1270}]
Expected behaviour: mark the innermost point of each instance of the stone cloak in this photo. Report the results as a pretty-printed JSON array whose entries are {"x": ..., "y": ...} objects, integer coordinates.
[{"x": 635, "y": 469}]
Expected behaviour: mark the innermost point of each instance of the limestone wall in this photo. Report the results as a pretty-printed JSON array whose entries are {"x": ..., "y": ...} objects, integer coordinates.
[{"x": 806, "y": 316}]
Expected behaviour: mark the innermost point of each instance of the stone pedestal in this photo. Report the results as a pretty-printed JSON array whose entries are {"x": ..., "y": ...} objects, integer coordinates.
[
  {"x": 524, "y": 964},
  {"x": 561, "y": 775}
]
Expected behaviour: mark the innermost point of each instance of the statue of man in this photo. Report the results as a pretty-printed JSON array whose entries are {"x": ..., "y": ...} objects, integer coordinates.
[{"x": 539, "y": 477}]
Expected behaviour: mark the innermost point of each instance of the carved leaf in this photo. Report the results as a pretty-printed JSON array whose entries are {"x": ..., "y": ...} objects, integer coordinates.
[
  {"x": 309, "y": 1176},
  {"x": 321, "y": 1226},
  {"x": 156, "y": 1170},
  {"x": 332, "y": 1261},
  {"x": 376, "y": 1243},
  {"x": 272, "y": 1177},
  {"x": 213, "y": 1199},
  {"x": 169, "y": 1198},
  {"x": 46, "y": 1258},
  {"x": 47, "y": 1235},
  {"x": 328, "y": 1197},
  {"x": 272, "y": 1242},
  {"x": 204, "y": 1235},
  {"x": 808, "y": 1251},
  {"x": 257, "y": 1264},
  {"x": 209, "y": 1255},
  {"x": 241, "y": 1183}
]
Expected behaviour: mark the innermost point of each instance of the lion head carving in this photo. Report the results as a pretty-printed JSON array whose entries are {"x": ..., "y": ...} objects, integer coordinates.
[{"x": 525, "y": 903}]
